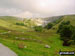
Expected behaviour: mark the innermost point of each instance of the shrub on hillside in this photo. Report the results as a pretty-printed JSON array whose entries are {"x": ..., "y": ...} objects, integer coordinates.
[
  {"x": 73, "y": 36},
  {"x": 49, "y": 26},
  {"x": 38, "y": 28},
  {"x": 21, "y": 24}
]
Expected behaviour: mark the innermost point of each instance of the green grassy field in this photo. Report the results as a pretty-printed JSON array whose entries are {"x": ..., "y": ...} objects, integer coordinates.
[{"x": 35, "y": 41}]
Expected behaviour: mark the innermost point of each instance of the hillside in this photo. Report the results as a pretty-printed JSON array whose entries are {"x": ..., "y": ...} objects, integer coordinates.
[
  {"x": 10, "y": 23},
  {"x": 51, "y": 19},
  {"x": 70, "y": 18}
]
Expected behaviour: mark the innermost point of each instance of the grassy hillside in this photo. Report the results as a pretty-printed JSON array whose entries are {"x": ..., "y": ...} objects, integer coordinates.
[
  {"x": 10, "y": 23},
  {"x": 35, "y": 42},
  {"x": 70, "y": 18}
]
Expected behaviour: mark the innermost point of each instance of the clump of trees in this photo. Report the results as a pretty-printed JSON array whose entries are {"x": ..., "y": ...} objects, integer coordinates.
[
  {"x": 21, "y": 24},
  {"x": 41, "y": 28},
  {"x": 67, "y": 33},
  {"x": 49, "y": 26},
  {"x": 38, "y": 28}
]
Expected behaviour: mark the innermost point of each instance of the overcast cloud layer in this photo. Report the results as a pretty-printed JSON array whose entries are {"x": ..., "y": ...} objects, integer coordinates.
[{"x": 36, "y": 8}]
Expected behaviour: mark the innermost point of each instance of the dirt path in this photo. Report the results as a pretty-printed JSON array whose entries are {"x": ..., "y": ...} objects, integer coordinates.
[{"x": 5, "y": 51}]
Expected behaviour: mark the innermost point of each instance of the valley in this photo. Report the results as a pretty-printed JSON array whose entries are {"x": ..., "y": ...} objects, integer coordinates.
[{"x": 20, "y": 36}]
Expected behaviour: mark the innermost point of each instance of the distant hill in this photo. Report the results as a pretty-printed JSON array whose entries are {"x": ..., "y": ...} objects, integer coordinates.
[
  {"x": 51, "y": 19},
  {"x": 70, "y": 18},
  {"x": 10, "y": 21},
  {"x": 44, "y": 21}
]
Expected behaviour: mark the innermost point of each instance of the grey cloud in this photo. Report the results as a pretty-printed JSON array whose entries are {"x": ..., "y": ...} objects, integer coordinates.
[{"x": 20, "y": 7}]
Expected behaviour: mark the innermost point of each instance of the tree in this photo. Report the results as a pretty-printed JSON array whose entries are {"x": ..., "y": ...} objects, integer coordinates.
[
  {"x": 49, "y": 26},
  {"x": 68, "y": 22},
  {"x": 21, "y": 24},
  {"x": 67, "y": 33},
  {"x": 38, "y": 28},
  {"x": 73, "y": 36}
]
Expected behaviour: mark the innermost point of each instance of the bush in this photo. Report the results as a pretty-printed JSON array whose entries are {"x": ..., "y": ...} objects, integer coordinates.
[
  {"x": 21, "y": 24},
  {"x": 59, "y": 28},
  {"x": 49, "y": 26},
  {"x": 38, "y": 28},
  {"x": 17, "y": 24},
  {"x": 73, "y": 36}
]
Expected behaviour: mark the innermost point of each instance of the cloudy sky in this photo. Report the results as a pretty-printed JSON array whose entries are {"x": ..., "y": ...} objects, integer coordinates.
[{"x": 36, "y": 8}]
